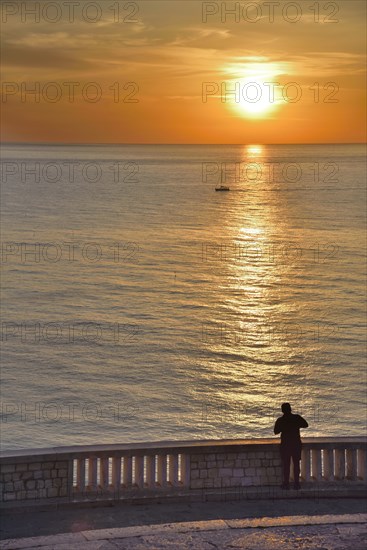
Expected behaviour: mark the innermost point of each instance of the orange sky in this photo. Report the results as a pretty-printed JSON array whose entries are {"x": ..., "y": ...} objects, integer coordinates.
[{"x": 171, "y": 51}]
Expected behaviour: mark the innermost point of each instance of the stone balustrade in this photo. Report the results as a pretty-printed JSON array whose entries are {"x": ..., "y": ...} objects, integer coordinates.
[{"x": 172, "y": 468}]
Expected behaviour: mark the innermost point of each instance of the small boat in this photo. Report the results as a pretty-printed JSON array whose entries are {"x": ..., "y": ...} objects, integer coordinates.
[{"x": 221, "y": 186}]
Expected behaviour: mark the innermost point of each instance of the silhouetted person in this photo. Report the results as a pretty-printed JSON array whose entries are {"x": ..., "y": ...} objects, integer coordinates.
[{"x": 290, "y": 445}]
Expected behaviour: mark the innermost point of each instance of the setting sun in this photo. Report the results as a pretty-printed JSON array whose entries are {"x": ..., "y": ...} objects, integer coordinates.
[{"x": 254, "y": 93}]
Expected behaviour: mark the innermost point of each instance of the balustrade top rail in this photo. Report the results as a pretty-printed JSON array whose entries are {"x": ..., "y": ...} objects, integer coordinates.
[{"x": 177, "y": 446}]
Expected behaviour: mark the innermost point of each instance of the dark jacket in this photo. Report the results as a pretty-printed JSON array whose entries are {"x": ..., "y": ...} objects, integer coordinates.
[{"x": 288, "y": 425}]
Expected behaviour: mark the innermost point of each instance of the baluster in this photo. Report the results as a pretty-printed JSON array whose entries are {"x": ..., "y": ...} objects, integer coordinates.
[
  {"x": 162, "y": 470},
  {"x": 185, "y": 470},
  {"x": 150, "y": 465},
  {"x": 339, "y": 464},
  {"x": 362, "y": 464},
  {"x": 116, "y": 473},
  {"x": 173, "y": 470},
  {"x": 127, "y": 471},
  {"x": 328, "y": 464},
  {"x": 305, "y": 464},
  {"x": 316, "y": 464},
  {"x": 351, "y": 464},
  {"x": 139, "y": 471},
  {"x": 80, "y": 474},
  {"x": 92, "y": 472},
  {"x": 103, "y": 473}
]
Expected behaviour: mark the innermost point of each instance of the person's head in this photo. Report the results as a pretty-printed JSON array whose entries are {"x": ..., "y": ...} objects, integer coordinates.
[{"x": 286, "y": 408}]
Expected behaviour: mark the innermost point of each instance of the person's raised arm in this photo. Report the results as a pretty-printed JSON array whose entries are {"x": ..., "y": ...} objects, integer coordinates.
[{"x": 302, "y": 422}]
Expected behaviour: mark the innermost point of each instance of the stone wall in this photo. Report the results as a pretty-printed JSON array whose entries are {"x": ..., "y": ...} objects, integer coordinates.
[
  {"x": 34, "y": 480},
  {"x": 223, "y": 469},
  {"x": 180, "y": 468}
]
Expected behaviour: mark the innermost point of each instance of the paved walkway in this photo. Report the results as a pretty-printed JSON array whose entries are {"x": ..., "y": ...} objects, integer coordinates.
[{"x": 328, "y": 532}]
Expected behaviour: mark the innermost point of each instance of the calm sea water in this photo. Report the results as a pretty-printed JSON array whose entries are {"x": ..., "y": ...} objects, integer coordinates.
[{"x": 139, "y": 304}]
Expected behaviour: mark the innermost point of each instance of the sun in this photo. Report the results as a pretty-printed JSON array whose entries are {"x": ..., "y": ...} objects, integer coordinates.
[
  {"x": 255, "y": 98},
  {"x": 254, "y": 92}
]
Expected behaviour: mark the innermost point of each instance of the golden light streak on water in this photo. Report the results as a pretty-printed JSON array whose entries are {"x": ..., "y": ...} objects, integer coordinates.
[{"x": 254, "y": 297}]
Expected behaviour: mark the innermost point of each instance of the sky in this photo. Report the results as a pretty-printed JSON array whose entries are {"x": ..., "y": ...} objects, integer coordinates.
[{"x": 187, "y": 71}]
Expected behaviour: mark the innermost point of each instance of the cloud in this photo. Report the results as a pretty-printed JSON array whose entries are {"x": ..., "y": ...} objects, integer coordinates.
[
  {"x": 23, "y": 56},
  {"x": 328, "y": 64}
]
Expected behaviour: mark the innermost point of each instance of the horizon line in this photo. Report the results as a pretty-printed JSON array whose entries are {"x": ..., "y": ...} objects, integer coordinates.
[{"x": 174, "y": 144}]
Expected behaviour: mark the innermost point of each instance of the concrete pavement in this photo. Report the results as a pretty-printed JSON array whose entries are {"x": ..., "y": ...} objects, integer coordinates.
[
  {"x": 328, "y": 532},
  {"x": 302, "y": 523}
]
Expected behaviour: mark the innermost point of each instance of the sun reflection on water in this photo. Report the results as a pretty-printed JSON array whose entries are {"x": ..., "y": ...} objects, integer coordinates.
[
  {"x": 254, "y": 150},
  {"x": 253, "y": 300}
]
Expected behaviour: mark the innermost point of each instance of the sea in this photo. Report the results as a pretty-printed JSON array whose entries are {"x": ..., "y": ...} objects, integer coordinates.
[{"x": 140, "y": 304}]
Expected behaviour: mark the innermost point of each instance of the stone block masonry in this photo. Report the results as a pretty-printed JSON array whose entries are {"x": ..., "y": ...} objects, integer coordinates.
[
  {"x": 223, "y": 469},
  {"x": 30, "y": 480}
]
